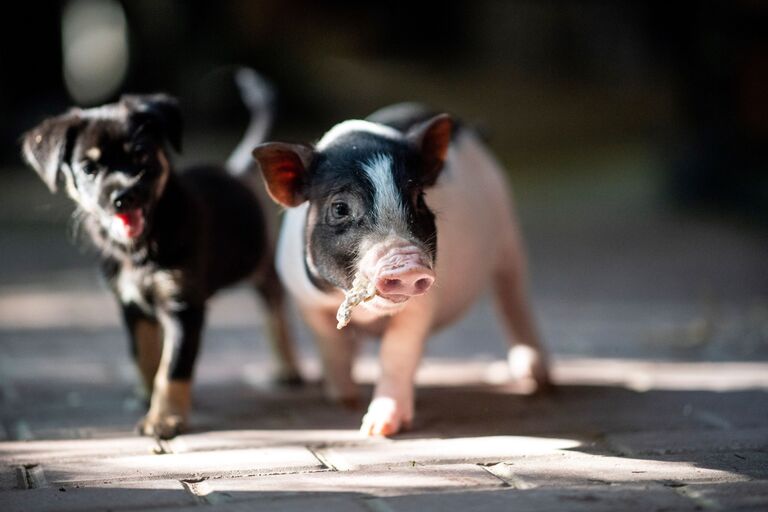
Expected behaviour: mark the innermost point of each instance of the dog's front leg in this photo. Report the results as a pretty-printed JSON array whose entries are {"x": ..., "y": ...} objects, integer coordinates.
[
  {"x": 145, "y": 344},
  {"x": 171, "y": 394}
]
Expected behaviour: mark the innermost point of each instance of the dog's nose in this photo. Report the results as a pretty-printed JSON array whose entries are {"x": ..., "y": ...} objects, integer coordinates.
[{"x": 124, "y": 200}]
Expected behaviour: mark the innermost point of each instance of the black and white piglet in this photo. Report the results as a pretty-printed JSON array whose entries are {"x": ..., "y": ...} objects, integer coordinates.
[{"x": 418, "y": 206}]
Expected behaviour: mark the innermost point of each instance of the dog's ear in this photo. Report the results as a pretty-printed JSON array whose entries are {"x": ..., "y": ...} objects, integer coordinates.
[
  {"x": 284, "y": 169},
  {"x": 49, "y": 145},
  {"x": 158, "y": 110}
]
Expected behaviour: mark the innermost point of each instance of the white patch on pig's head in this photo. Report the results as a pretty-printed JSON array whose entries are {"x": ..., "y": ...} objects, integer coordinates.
[
  {"x": 387, "y": 199},
  {"x": 356, "y": 125}
]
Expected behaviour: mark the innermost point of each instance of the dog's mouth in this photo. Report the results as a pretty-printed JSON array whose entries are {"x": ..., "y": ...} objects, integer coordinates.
[{"x": 130, "y": 223}]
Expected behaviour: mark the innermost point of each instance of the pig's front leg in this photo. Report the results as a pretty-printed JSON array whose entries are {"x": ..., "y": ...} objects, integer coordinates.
[{"x": 392, "y": 406}]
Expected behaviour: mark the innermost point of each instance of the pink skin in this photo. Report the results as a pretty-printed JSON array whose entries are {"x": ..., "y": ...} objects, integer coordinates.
[
  {"x": 402, "y": 276},
  {"x": 399, "y": 270}
]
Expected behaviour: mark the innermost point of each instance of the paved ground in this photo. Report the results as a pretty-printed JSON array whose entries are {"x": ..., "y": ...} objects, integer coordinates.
[{"x": 659, "y": 325}]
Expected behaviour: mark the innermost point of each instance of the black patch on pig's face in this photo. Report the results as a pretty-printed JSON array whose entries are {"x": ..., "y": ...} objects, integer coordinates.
[{"x": 343, "y": 203}]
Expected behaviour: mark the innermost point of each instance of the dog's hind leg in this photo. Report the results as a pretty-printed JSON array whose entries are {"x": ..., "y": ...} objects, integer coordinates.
[
  {"x": 282, "y": 342},
  {"x": 145, "y": 338}
]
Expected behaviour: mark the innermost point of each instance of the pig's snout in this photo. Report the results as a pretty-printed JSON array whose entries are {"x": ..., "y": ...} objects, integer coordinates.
[
  {"x": 399, "y": 272},
  {"x": 406, "y": 282}
]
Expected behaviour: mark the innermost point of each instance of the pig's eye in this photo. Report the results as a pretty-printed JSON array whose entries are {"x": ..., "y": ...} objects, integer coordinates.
[{"x": 339, "y": 210}]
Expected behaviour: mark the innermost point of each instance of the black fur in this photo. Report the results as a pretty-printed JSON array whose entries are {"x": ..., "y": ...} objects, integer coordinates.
[
  {"x": 203, "y": 229},
  {"x": 336, "y": 175}
]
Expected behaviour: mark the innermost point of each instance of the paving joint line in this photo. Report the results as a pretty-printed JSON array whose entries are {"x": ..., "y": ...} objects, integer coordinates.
[
  {"x": 511, "y": 480},
  {"x": 329, "y": 458},
  {"x": 30, "y": 476},
  {"x": 192, "y": 487},
  {"x": 376, "y": 504},
  {"x": 233, "y": 475},
  {"x": 697, "y": 498}
]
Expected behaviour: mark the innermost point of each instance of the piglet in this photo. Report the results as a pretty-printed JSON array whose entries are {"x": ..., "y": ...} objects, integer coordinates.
[{"x": 414, "y": 204}]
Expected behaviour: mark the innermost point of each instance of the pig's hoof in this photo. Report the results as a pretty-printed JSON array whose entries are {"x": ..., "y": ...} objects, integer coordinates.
[
  {"x": 527, "y": 365},
  {"x": 385, "y": 418},
  {"x": 161, "y": 427},
  {"x": 347, "y": 395},
  {"x": 289, "y": 381}
]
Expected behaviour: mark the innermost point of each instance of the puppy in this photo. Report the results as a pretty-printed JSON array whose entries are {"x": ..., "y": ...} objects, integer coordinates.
[{"x": 168, "y": 240}]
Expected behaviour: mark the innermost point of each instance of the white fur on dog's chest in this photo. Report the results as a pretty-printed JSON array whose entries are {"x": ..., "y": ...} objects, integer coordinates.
[
  {"x": 142, "y": 286},
  {"x": 131, "y": 286}
]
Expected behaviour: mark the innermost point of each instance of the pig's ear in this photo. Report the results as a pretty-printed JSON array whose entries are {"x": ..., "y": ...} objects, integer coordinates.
[
  {"x": 49, "y": 145},
  {"x": 284, "y": 169},
  {"x": 432, "y": 137}
]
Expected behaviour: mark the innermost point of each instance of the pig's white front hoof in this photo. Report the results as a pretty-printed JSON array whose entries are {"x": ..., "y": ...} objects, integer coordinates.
[
  {"x": 386, "y": 417},
  {"x": 528, "y": 364}
]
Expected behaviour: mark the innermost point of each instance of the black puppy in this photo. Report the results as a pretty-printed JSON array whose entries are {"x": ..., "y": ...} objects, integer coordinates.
[{"x": 168, "y": 240}]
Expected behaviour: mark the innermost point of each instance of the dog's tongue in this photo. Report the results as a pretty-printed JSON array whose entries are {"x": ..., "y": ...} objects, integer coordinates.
[{"x": 132, "y": 221}]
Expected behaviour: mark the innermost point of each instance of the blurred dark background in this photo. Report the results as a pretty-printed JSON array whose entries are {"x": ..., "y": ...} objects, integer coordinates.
[
  {"x": 542, "y": 78},
  {"x": 635, "y": 133}
]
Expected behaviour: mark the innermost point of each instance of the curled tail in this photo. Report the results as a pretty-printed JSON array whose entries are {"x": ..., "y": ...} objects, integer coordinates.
[{"x": 258, "y": 96}]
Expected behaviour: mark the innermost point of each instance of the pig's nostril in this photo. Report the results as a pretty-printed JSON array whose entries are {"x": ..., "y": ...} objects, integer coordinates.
[
  {"x": 422, "y": 285},
  {"x": 391, "y": 284}
]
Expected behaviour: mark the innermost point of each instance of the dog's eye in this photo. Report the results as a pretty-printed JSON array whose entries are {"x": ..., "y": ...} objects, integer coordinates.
[
  {"x": 89, "y": 168},
  {"x": 339, "y": 210},
  {"x": 141, "y": 154}
]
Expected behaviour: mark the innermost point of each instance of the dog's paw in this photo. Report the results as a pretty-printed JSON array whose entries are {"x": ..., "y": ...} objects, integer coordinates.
[
  {"x": 528, "y": 365},
  {"x": 386, "y": 416},
  {"x": 161, "y": 426}
]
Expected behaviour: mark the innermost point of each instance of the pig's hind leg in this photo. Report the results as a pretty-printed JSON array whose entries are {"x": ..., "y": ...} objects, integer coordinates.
[
  {"x": 527, "y": 356},
  {"x": 338, "y": 349}
]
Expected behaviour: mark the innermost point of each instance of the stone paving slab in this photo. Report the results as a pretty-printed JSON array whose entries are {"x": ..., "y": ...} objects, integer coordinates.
[
  {"x": 446, "y": 451},
  {"x": 742, "y": 463},
  {"x": 684, "y": 441},
  {"x": 259, "y": 461},
  {"x": 8, "y": 478},
  {"x": 744, "y": 496},
  {"x": 571, "y": 468},
  {"x": 381, "y": 481},
  {"x": 279, "y": 503},
  {"x": 250, "y": 438},
  {"x": 138, "y": 495},
  {"x": 591, "y": 499},
  {"x": 75, "y": 449}
]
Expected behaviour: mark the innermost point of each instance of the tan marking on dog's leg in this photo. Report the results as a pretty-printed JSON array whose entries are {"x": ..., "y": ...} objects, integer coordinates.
[
  {"x": 148, "y": 339},
  {"x": 171, "y": 402},
  {"x": 171, "y": 399}
]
